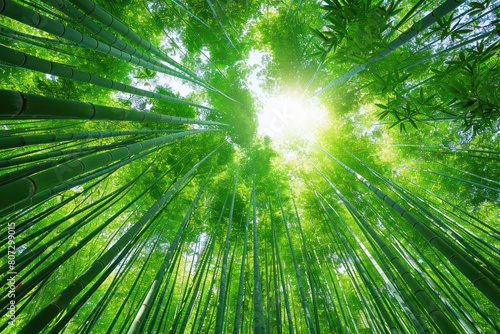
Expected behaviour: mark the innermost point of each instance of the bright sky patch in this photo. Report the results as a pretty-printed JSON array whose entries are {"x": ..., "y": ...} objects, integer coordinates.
[{"x": 289, "y": 115}]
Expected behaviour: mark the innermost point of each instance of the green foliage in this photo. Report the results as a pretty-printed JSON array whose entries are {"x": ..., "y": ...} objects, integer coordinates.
[
  {"x": 354, "y": 29},
  {"x": 314, "y": 272}
]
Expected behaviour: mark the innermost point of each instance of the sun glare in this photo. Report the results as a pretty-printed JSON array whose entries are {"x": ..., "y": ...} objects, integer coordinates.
[{"x": 284, "y": 116}]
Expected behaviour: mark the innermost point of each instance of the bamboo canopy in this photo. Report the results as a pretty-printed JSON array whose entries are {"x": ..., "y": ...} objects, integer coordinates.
[{"x": 176, "y": 167}]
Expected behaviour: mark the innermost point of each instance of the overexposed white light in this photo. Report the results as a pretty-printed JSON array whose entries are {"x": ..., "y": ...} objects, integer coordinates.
[
  {"x": 281, "y": 115},
  {"x": 290, "y": 115}
]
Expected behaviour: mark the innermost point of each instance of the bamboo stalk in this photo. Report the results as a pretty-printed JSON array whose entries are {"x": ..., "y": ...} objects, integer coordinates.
[
  {"x": 219, "y": 320},
  {"x": 26, "y": 188},
  {"x": 52, "y": 309},
  {"x": 19, "y": 105},
  {"x": 145, "y": 309},
  {"x": 432, "y": 308},
  {"x": 368, "y": 281},
  {"x": 258, "y": 319},
  {"x": 57, "y": 153},
  {"x": 237, "y": 317},
  {"x": 23, "y": 60},
  {"x": 277, "y": 299},
  {"x": 28, "y": 285},
  {"x": 481, "y": 282},
  {"x": 30, "y": 17},
  {"x": 307, "y": 260},
  {"x": 20, "y": 141},
  {"x": 44, "y": 195},
  {"x": 309, "y": 323},
  {"x": 89, "y": 7},
  {"x": 283, "y": 285}
]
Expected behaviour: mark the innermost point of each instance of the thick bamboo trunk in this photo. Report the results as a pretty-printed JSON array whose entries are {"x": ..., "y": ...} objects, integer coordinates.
[
  {"x": 17, "y": 105},
  {"x": 26, "y": 188},
  {"x": 89, "y": 7},
  {"x": 61, "y": 302},
  {"x": 20, "y": 141},
  {"x": 237, "y": 317},
  {"x": 21, "y": 59}
]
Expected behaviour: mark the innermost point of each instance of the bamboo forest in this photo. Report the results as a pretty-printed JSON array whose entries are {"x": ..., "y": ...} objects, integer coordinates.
[{"x": 250, "y": 166}]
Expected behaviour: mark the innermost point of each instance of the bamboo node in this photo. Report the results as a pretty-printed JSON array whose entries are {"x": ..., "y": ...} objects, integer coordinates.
[
  {"x": 430, "y": 240},
  {"x": 477, "y": 280},
  {"x": 93, "y": 9},
  {"x": 25, "y": 59},
  {"x": 436, "y": 310},
  {"x": 419, "y": 290},
  {"x": 23, "y": 107},
  {"x": 93, "y": 114},
  {"x": 34, "y": 186}
]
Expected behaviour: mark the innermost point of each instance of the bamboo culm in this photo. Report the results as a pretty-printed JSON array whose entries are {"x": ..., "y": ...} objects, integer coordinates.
[
  {"x": 481, "y": 282},
  {"x": 26, "y": 188},
  {"x": 432, "y": 308},
  {"x": 20, "y": 141},
  {"x": 28, "y": 16},
  {"x": 47, "y": 194},
  {"x": 89, "y": 7},
  {"x": 258, "y": 320},
  {"x": 309, "y": 322},
  {"x": 57, "y": 153},
  {"x": 17, "y": 105},
  {"x": 25, "y": 288},
  {"x": 23, "y": 60},
  {"x": 145, "y": 309},
  {"x": 222, "y": 286},
  {"x": 62, "y": 300}
]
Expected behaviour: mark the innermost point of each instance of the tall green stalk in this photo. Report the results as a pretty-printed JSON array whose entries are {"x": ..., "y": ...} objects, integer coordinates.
[
  {"x": 237, "y": 317},
  {"x": 277, "y": 299},
  {"x": 481, "y": 282},
  {"x": 258, "y": 320},
  {"x": 222, "y": 288},
  {"x": 63, "y": 299},
  {"x": 432, "y": 308},
  {"x": 309, "y": 323},
  {"x": 145, "y": 309},
  {"x": 23, "y": 60},
  {"x": 89, "y": 7},
  {"x": 26, "y": 188},
  {"x": 283, "y": 284},
  {"x": 307, "y": 261},
  {"x": 20, "y": 141},
  {"x": 19, "y": 105},
  {"x": 221, "y": 25},
  {"x": 368, "y": 281},
  {"x": 28, "y": 16}
]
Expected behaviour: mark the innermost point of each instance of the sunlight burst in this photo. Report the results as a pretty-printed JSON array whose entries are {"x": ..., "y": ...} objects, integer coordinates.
[{"x": 288, "y": 115}]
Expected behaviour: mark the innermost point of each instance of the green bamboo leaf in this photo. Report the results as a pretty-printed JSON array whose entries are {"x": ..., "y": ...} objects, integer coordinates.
[
  {"x": 318, "y": 34},
  {"x": 477, "y": 5},
  {"x": 412, "y": 123}
]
